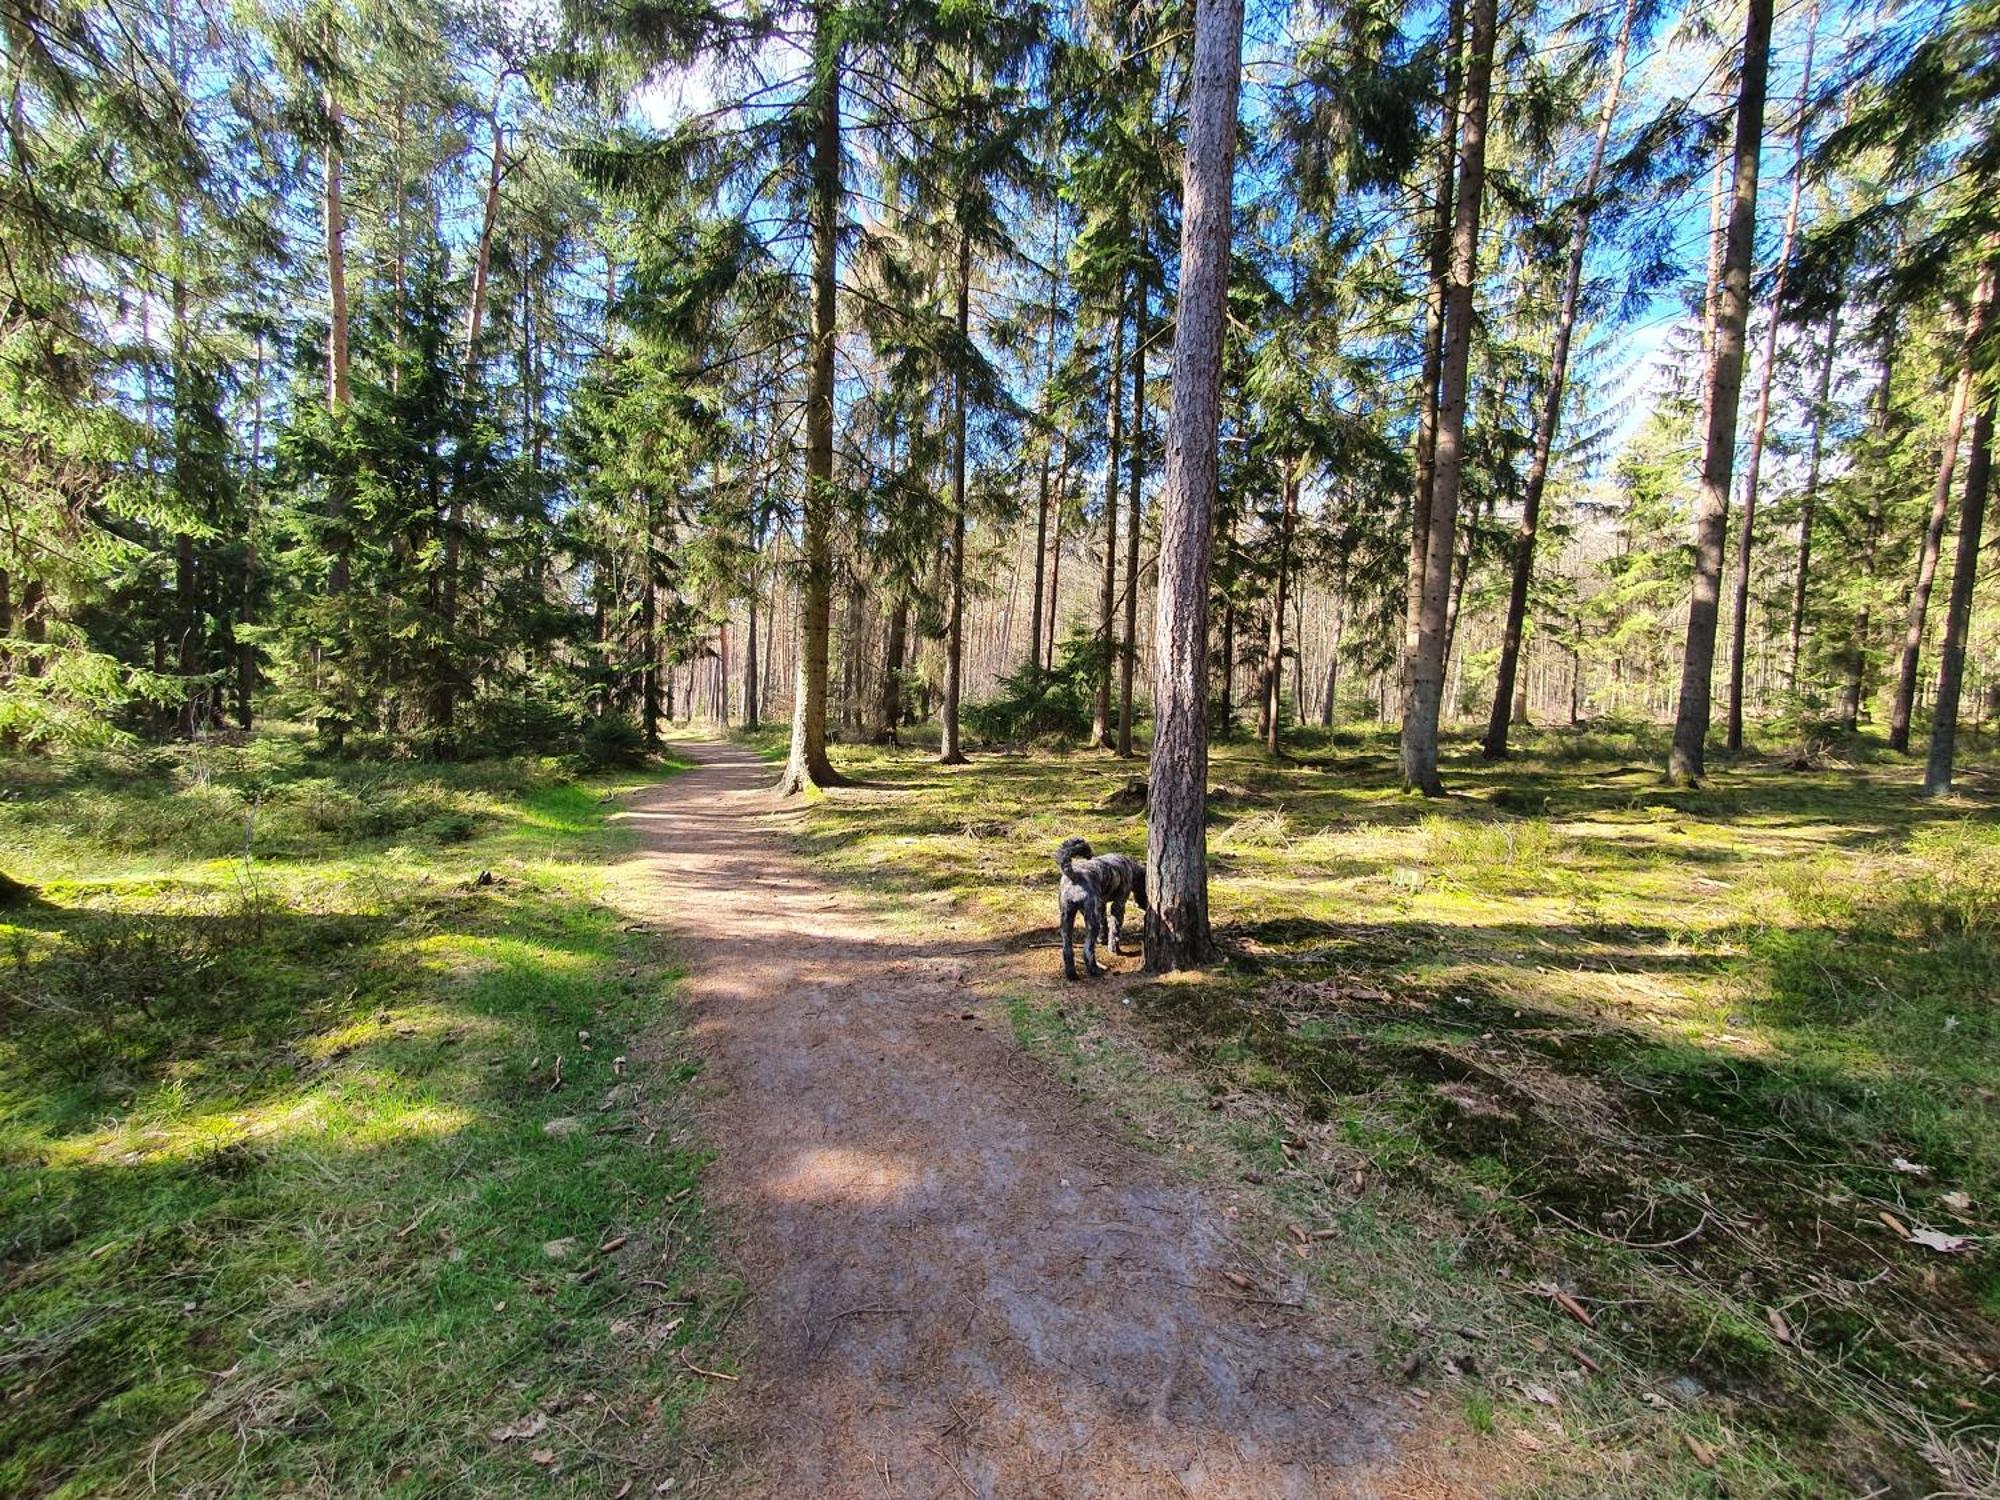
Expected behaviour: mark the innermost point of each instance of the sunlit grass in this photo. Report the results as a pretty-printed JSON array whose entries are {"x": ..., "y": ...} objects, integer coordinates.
[{"x": 274, "y": 1183}]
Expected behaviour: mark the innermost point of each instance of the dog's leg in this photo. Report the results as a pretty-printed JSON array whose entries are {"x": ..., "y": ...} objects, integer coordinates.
[
  {"x": 1093, "y": 921},
  {"x": 1069, "y": 940},
  {"x": 1118, "y": 926}
]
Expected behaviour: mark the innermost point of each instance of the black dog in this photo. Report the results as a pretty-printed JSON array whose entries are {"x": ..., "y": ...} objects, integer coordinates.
[{"x": 1095, "y": 888}]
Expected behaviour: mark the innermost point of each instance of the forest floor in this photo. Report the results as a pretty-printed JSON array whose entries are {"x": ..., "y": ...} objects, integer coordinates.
[
  {"x": 1647, "y": 1137},
  {"x": 964, "y": 1284},
  {"x": 360, "y": 1166}
]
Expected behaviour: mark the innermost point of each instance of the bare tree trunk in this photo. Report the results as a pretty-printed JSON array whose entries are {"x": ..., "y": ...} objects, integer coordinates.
[
  {"x": 1927, "y": 557},
  {"x": 1048, "y": 455},
  {"x": 337, "y": 362},
  {"x": 246, "y": 653},
  {"x": 1746, "y": 528},
  {"x": 1055, "y": 552},
  {"x": 1439, "y": 252},
  {"x": 1958, "y": 613},
  {"x": 1100, "y": 721},
  {"x": 950, "y": 753},
  {"x": 750, "y": 720},
  {"x": 1129, "y": 650},
  {"x": 1177, "y": 930},
  {"x": 1854, "y": 687},
  {"x": 649, "y": 634},
  {"x": 1333, "y": 645},
  {"x": 1687, "y": 763},
  {"x": 889, "y": 706},
  {"x": 1228, "y": 642},
  {"x": 1505, "y": 710},
  {"x": 1272, "y": 715},
  {"x": 1809, "y": 502},
  {"x": 808, "y": 764},
  {"x": 1426, "y": 672}
]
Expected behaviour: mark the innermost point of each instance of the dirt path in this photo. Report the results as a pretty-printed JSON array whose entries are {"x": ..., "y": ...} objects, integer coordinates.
[{"x": 961, "y": 1285}]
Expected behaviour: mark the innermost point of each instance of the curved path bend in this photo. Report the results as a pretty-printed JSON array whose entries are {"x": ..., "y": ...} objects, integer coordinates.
[{"x": 962, "y": 1286}]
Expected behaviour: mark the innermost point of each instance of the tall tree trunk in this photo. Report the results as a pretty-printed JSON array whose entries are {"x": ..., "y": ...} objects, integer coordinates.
[
  {"x": 1228, "y": 642},
  {"x": 1333, "y": 647},
  {"x": 1177, "y": 930},
  {"x": 1976, "y": 322},
  {"x": 1426, "y": 672},
  {"x": 889, "y": 707},
  {"x": 1809, "y": 501},
  {"x": 808, "y": 764},
  {"x": 1048, "y": 456},
  {"x": 1958, "y": 613},
  {"x": 1271, "y": 715},
  {"x": 1550, "y": 416},
  {"x": 1128, "y": 652},
  {"x": 337, "y": 361},
  {"x": 950, "y": 753},
  {"x": 649, "y": 632},
  {"x": 1438, "y": 252},
  {"x": 1746, "y": 527},
  {"x": 750, "y": 719},
  {"x": 1854, "y": 686},
  {"x": 1687, "y": 763},
  {"x": 1055, "y": 551},
  {"x": 1107, "y": 597}
]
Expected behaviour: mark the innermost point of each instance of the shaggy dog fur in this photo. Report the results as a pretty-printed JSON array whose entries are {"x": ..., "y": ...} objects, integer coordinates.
[{"x": 1095, "y": 887}]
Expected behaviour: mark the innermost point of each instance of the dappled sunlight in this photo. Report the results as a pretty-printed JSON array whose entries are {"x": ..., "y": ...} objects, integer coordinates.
[
  {"x": 323, "y": 1115},
  {"x": 831, "y": 1174}
]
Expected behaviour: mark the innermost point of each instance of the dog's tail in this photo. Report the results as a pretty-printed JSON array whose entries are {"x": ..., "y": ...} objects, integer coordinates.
[{"x": 1071, "y": 849}]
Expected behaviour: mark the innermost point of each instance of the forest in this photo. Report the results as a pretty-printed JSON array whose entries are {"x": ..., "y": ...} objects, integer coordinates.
[{"x": 1487, "y": 505}]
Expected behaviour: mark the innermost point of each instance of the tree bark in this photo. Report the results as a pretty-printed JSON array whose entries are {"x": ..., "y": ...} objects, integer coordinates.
[
  {"x": 1177, "y": 930},
  {"x": 1426, "y": 669},
  {"x": 1439, "y": 256},
  {"x": 1746, "y": 527},
  {"x": 1129, "y": 651},
  {"x": 1271, "y": 716},
  {"x": 1958, "y": 613},
  {"x": 1976, "y": 322},
  {"x": 889, "y": 706},
  {"x": 1809, "y": 502},
  {"x": 1055, "y": 551},
  {"x": 1048, "y": 456},
  {"x": 337, "y": 359},
  {"x": 1857, "y": 643},
  {"x": 1550, "y": 416},
  {"x": 808, "y": 765},
  {"x": 750, "y": 668},
  {"x": 1107, "y": 597},
  {"x": 1687, "y": 762},
  {"x": 950, "y": 752}
]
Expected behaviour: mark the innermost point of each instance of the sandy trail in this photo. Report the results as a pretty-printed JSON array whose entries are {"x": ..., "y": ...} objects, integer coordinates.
[{"x": 961, "y": 1285}]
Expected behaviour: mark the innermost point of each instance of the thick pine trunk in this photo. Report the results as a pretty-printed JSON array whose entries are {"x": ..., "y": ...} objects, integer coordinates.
[
  {"x": 1107, "y": 594},
  {"x": 1809, "y": 501},
  {"x": 1746, "y": 526},
  {"x": 808, "y": 764},
  {"x": 1687, "y": 762},
  {"x": 1177, "y": 930},
  {"x": 1128, "y": 652},
  {"x": 1933, "y": 540},
  {"x": 1426, "y": 663},
  {"x": 1958, "y": 613},
  {"x": 1509, "y": 706},
  {"x": 950, "y": 752}
]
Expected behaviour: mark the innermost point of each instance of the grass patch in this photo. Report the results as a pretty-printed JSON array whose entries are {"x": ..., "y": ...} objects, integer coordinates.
[
  {"x": 1570, "y": 1030},
  {"x": 336, "y": 1168}
]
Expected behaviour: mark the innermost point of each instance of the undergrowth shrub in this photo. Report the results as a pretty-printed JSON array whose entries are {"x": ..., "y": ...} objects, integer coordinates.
[{"x": 1036, "y": 703}]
